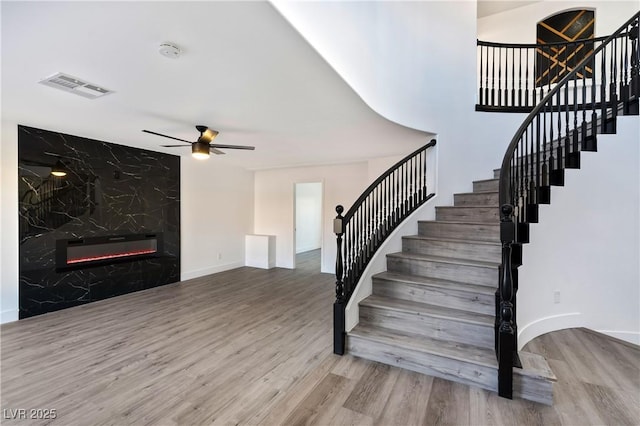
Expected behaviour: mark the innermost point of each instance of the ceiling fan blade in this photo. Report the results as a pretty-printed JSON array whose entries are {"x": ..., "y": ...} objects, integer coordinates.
[
  {"x": 215, "y": 145},
  {"x": 216, "y": 151},
  {"x": 165, "y": 136},
  {"x": 174, "y": 146}
]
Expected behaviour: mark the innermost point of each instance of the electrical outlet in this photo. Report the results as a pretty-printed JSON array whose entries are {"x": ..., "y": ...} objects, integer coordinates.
[
  {"x": 219, "y": 256},
  {"x": 556, "y": 297}
]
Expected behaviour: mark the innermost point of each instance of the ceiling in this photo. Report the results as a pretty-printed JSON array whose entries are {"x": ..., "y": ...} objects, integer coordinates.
[
  {"x": 244, "y": 71},
  {"x": 492, "y": 7}
]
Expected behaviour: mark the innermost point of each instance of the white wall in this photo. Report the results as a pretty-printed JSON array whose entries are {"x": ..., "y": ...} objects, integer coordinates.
[
  {"x": 519, "y": 25},
  {"x": 216, "y": 214},
  {"x": 414, "y": 63},
  {"x": 308, "y": 230},
  {"x": 274, "y": 205},
  {"x": 586, "y": 246},
  {"x": 9, "y": 222}
]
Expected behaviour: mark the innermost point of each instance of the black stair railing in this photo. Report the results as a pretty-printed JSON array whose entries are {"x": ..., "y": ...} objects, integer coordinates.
[
  {"x": 564, "y": 123},
  {"x": 515, "y": 77},
  {"x": 389, "y": 200}
]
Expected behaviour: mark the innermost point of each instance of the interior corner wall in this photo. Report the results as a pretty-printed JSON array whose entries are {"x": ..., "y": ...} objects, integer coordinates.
[
  {"x": 274, "y": 205},
  {"x": 9, "y": 222},
  {"x": 217, "y": 213},
  {"x": 519, "y": 25},
  {"x": 586, "y": 246}
]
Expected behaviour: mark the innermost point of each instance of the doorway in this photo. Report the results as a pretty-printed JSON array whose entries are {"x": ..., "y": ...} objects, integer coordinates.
[{"x": 308, "y": 225}]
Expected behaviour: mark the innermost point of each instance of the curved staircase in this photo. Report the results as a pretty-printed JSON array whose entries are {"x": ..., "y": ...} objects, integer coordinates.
[{"x": 433, "y": 310}]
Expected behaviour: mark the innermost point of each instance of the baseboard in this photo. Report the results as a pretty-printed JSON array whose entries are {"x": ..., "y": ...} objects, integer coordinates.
[
  {"x": 632, "y": 337},
  {"x": 208, "y": 271},
  {"x": 8, "y": 316},
  {"x": 546, "y": 325}
]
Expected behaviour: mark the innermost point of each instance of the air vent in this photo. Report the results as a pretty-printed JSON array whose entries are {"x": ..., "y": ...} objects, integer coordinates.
[{"x": 72, "y": 84}]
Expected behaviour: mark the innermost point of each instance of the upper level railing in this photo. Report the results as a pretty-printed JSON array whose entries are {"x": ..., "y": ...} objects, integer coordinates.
[
  {"x": 364, "y": 227},
  {"x": 516, "y": 77},
  {"x": 585, "y": 102}
]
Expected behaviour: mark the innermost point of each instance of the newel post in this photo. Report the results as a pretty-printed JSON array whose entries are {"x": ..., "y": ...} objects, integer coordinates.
[
  {"x": 339, "y": 335},
  {"x": 506, "y": 330}
]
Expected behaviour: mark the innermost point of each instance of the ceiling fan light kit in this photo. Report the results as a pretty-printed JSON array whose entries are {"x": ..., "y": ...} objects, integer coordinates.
[{"x": 202, "y": 148}]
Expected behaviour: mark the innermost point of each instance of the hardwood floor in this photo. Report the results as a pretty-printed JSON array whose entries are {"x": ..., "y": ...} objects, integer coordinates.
[{"x": 252, "y": 346}]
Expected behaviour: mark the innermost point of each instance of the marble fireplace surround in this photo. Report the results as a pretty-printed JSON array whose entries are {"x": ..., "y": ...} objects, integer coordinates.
[{"x": 111, "y": 193}]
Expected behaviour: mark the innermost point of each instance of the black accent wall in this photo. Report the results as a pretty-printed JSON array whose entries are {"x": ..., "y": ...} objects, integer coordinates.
[{"x": 109, "y": 190}]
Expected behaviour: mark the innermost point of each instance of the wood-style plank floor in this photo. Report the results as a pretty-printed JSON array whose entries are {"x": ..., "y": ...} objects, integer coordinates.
[{"x": 253, "y": 346}]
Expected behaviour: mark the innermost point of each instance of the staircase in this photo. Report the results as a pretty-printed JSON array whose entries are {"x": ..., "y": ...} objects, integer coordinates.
[
  {"x": 433, "y": 310},
  {"x": 447, "y": 304}
]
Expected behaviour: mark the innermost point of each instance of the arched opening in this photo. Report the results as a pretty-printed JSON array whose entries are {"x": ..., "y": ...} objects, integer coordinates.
[{"x": 561, "y": 37}]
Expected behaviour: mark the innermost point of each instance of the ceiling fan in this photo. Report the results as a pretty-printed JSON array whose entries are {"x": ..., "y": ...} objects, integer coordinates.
[{"x": 200, "y": 149}]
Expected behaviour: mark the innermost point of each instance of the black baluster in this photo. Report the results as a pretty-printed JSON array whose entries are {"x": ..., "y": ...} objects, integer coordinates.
[
  {"x": 481, "y": 89},
  {"x": 519, "y": 76},
  {"x": 416, "y": 180},
  {"x": 493, "y": 75},
  {"x": 513, "y": 76},
  {"x": 424, "y": 184},
  {"x": 486, "y": 82},
  {"x": 499, "y": 76},
  {"x": 526, "y": 81}
]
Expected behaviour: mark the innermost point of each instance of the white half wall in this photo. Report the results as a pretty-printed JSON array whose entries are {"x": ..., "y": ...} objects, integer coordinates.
[
  {"x": 585, "y": 251},
  {"x": 216, "y": 213},
  {"x": 308, "y": 230}
]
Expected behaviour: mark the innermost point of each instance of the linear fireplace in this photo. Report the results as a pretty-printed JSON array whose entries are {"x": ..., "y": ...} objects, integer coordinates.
[{"x": 81, "y": 252}]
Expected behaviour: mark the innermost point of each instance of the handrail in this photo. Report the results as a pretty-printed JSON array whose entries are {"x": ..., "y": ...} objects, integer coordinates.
[
  {"x": 549, "y": 140},
  {"x": 385, "y": 203},
  {"x": 514, "y": 77},
  {"x": 528, "y": 45}
]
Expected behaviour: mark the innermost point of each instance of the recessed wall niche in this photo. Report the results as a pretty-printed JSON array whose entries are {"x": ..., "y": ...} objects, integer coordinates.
[{"x": 116, "y": 213}]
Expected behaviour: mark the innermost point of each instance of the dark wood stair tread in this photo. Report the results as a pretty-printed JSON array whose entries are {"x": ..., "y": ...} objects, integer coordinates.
[
  {"x": 424, "y": 309},
  {"x": 435, "y": 282},
  {"x": 534, "y": 365},
  {"x": 451, "y": 260},
  {"x": 452, "y": 240}
]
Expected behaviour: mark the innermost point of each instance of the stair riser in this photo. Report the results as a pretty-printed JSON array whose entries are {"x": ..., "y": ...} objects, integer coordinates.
[
  {"x": 424, "y": 325},
  {"x": 485, "y": 185},
  {"x": 468, "y": 214},
  {"x": 428, "y": 268},
  {"x": 433, "y": 365},
  {"x": 455, "y": 370},
  {"x": 489, "y": 199},
  {"x": 478, "y": 232},
  {"x": 481, "y": 303},
  {"x": 458, "y": 250}
]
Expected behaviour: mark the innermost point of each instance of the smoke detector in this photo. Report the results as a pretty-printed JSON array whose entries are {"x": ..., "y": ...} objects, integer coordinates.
[{"x": 170, "y": 50}]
